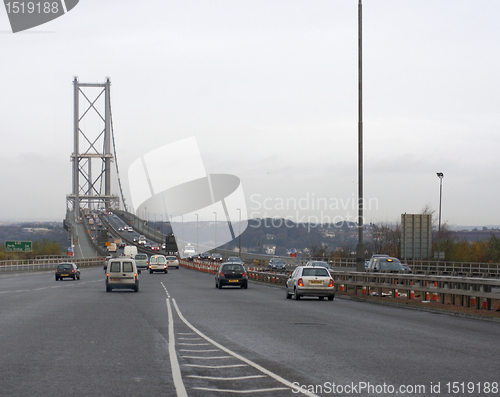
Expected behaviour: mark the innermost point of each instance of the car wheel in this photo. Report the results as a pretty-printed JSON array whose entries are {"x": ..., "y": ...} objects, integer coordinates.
[
  {"x": 108, "y": 289},
  {"x": 220, "y": 285},
  {"x": 57, "y": 278},
  {"x": 216, "y": 285},
  {"x": 296, "y": 295},
  {"x": 177, "y": 267},
  {"x": 321, "y": 298},
  {"x": 330, "y": 298},
  {"x": 74, "y": 278},
  {"x": 288, "y": 295},
  {"x": 150, "y": 272},
  {"x": 136, "y": 289}
]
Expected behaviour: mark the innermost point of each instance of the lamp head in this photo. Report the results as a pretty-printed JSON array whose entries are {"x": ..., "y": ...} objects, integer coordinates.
[{"x": 440, "y": 174}]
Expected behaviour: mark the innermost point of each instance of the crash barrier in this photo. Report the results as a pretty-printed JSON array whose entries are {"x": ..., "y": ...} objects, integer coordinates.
[
  {"x": 465, "y": 269},
  {"x": 46, "y": 263},
  {"x": 466, "y": 291}
]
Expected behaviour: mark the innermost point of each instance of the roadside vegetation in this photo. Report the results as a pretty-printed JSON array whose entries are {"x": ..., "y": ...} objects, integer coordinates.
[{"x": 38, "y": 248}]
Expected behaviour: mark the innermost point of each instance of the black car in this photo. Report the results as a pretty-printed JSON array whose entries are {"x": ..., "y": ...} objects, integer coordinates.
[
  {"x": 217, "y": 257},
  {"x": 205, "y": 255},
  {"x": 68, "y": 270},
  {"x": 385, "y": 264},
  {"x": 231, "y": 273},
  {"x": 276, "y": 264}
]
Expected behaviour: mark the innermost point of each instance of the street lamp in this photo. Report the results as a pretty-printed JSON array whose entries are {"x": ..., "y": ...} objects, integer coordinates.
[
  {"x": 440, "y": 176},
  {"x": 360, "y": 249},
  {"x": 239, "y": 236},
  {"x": 215, "y": 213}
]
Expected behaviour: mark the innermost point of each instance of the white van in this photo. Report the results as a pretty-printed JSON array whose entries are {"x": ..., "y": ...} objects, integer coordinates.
[
  {"x": 158, "y": 263},
  {"x": 122, "y": 274},
  {"x": 130, "y": 251}
]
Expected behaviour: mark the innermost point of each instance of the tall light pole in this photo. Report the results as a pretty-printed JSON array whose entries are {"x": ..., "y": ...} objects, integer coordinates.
[
  {"x": 215, "y": 213},
  {"x": 239, "y": 236},
  {"x": 440, "y": 176},
  {"x": 360, "y": 249}
]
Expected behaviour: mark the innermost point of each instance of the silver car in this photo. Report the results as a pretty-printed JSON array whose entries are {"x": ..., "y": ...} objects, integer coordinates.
[{"x": 310, "y": 281}]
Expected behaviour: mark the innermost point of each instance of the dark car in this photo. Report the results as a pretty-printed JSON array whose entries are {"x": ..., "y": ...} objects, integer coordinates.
[
  {"x": 217, "y": 257},
  {"x": 205, "y": 255},
  {"x": 68, "y": 270},
  {"x": 235, "y": 259},
  {"x": 231, "y": 273},
  {"x": 406, "y": 268},
  {"x": 385, "y": 264},
  {"x": 276, "y": 264}
]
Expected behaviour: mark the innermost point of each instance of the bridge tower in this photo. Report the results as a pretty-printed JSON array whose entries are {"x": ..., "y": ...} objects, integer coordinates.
[{"x": 92, "y": 155}]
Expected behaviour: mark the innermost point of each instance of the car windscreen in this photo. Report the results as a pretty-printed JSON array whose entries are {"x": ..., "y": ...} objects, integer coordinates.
[{"x": 320, "y": 271}]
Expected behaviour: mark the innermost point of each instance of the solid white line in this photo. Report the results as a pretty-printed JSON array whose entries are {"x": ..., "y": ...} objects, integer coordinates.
[
  {"x": 207, "y": 358},
  {"x": 232, "y": 378},
  {"x": 194, "y": 344},
  {"x": 249, "y": 362},
  {"x": 215, "y": 366},
  {"x": 176, "y": 370},
  {"x": 196, "y": 351},
  {"x": 242, "y": 391}
]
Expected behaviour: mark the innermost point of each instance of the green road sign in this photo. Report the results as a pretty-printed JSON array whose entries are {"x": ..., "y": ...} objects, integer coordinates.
[{"x": 19, "y": 246}]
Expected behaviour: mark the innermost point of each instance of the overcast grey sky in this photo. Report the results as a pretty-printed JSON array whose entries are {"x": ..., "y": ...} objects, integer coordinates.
[{"x": 269, "y": 90}]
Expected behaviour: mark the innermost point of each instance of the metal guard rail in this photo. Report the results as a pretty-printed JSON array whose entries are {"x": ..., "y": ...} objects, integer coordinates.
[
  {"x": 42, "y": 264},
  {"x": 468, "y": 291}
]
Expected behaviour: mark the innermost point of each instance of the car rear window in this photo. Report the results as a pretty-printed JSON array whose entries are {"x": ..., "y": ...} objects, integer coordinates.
[
  {"x": 161, "y": 259},
  {"x": 141, "y": 256},
  {"x": 171, "y": 258},
  {"x": 236, "y": 268},
  {"x": 128, "y": 267},
  {"x": 320, "y": 271},
  {"x": 114, "y": 267},
  {"x": 65, "y": 267}
]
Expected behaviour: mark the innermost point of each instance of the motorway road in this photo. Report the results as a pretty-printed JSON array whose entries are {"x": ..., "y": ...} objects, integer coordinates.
[{"x": 71, "y": 338}]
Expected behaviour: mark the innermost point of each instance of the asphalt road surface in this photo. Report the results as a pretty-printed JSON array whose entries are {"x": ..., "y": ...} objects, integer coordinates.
[{"x": 179, "y": 335}]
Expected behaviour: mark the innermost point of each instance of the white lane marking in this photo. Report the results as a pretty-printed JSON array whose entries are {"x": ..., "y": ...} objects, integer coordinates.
[
  {"x": 245, "y": 360},
  {"x": 186, "y": 333},
  {"x": 215, "y": 366},
  {"x": 39, "y": 289},
  {"x": 242, "y": 391},
  {"x": 176, "y": 370},
  {"x": 207, "y": 358},
  {"x": 231, "y": 378},
  {"x": 194, "y": 344},
  {"x": 199, "y": 351},
  {"x": 189, "y": 338}
]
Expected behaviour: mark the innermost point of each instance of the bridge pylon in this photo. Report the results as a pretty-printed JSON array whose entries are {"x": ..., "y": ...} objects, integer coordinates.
[{"x": 92, "y": 155}]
